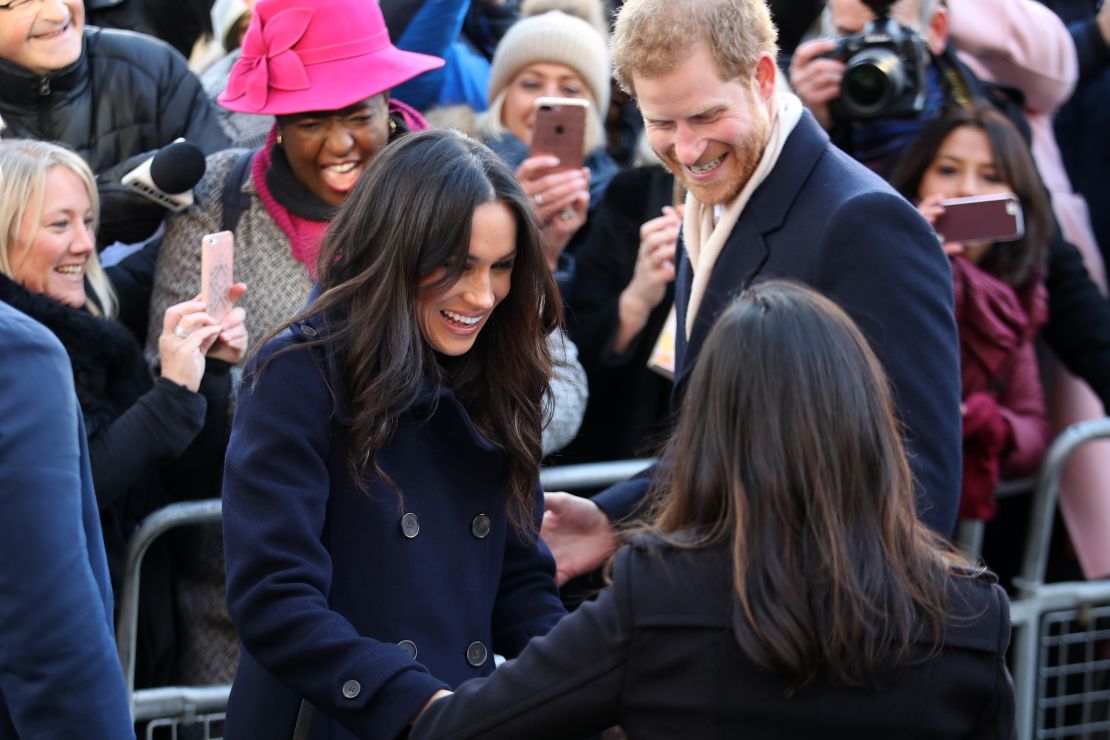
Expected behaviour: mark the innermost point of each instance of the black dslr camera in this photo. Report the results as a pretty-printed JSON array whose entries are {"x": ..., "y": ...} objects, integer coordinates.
[{"x": 885, "y": 74}]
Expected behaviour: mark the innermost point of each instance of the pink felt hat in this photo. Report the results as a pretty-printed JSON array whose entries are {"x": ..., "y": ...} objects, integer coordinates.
[{"x": 310, "y": 55}]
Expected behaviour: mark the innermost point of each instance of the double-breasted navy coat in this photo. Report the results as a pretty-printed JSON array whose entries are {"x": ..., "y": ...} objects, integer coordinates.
[
  {"x": 825, "y": 220},
  {"x": 353, "y": 607}
]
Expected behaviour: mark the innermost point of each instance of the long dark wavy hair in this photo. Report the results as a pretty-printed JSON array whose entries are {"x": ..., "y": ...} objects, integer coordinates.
[
  {"x": 409, "y": 216},
  {"x": 1013, "y": 262},
  {"x": 787, "y": 449}
]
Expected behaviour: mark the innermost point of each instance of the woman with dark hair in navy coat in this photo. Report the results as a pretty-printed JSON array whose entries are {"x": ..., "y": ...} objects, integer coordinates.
[{"x": 381, "y": 499}]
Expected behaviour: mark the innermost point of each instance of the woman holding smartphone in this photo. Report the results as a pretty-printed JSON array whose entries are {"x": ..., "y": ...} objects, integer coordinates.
[
  {"x": 381, "y": 500},
  {"x": 550, "y": 55},
  {"x": 785, "y": 587},
  {"x": 152, "y": 440},
  {"x": 1000, "y": 295}
]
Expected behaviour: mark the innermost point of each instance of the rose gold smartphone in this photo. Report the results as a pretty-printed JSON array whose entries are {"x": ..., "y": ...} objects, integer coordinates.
[
  {"x": 216, "y": 254},
  {"x": 559, "y": 128},
  {"x": 981, "y": 218}
]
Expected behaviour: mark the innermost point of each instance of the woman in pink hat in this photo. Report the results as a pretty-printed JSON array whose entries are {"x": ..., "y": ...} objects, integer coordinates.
[{"x": 324, "y": 68}]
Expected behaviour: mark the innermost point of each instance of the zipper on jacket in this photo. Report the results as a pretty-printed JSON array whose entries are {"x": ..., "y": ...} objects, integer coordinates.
[{"x": 44, "y": 85}]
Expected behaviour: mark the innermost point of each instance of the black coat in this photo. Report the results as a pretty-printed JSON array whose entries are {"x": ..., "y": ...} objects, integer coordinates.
[
  {"x": 657, "y": 654},
  {"x": 629, "y": 405},
  {"x": 125, "y": 96}
]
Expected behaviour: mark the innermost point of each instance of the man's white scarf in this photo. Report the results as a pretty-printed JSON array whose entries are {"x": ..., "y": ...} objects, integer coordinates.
[{"x": 704, "y": 240}]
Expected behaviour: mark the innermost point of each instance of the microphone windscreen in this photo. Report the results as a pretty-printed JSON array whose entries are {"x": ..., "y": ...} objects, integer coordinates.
[{"x": 177, "y": 167}]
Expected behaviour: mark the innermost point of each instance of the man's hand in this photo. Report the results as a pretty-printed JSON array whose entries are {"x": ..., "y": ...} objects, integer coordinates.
[
  {"x": 816, "y": 79},
  {"x": 579, "y": 534}
]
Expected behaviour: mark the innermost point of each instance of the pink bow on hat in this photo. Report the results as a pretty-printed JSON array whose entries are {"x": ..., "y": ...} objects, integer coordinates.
[{"x": 268, "y": 60}]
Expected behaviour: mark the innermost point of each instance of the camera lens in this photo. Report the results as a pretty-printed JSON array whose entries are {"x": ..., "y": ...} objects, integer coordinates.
[{"x": 872, "y": 79}]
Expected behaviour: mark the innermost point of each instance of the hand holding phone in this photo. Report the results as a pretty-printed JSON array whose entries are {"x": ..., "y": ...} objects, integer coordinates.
[
  {"x": 981, "y": 218},
  {"x": 559, "y": 129},
  {"x": 216, "y": 258}
]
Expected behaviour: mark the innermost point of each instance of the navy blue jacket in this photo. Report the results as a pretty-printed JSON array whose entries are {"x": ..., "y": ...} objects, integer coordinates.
[
  {"x": 364, "y": 604},
  {"x": 657, "y": 654},
  {"x": 825, "y": 220},
  {"x": 60, "y": 675}
]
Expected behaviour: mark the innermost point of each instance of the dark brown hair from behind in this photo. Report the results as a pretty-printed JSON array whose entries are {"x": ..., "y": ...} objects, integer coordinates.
[
  {"x": 410, "y": 215},
  {"x": 788, "y": 449}
]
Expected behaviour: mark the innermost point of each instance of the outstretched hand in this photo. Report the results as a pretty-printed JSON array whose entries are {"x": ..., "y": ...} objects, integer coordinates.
[{"x": 578, "y": 533}]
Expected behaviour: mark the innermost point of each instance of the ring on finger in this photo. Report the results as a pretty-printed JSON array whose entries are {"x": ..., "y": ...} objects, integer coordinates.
[
  {"x": 180, "y": 333},
  {"x": 567, "y": 215},
  {"x": 538, "y": 197}
]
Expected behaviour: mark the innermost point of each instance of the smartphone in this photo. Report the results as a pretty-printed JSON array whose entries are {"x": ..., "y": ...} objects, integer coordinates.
[
  {"x": 559, "y": 128},
  {"x": 981, "y": 218},
  {"x": 216, "y": 254}
]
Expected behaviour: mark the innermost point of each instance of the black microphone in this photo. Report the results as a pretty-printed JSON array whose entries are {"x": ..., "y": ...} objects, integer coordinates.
[{"x": 168, "y": 177}]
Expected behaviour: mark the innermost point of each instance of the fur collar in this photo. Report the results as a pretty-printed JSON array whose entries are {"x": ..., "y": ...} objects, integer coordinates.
[{"x": 109, "y": 371}]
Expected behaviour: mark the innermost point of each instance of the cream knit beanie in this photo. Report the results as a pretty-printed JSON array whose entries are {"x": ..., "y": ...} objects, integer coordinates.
[{"x": 559, "y": 38}]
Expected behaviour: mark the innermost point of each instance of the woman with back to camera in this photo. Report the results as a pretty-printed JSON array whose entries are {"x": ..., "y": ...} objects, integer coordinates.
[
  {"x": 785, "y": 588},
  {"x": 381, "y": 500},
  {"x": 151, "y": 440},
  {"x": 1000, "y": 294}
]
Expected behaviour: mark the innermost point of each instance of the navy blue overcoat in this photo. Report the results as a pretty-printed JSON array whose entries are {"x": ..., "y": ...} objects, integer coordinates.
[
  {"x": 825, "y": 220},
  {"x": 354, "y": 606}
]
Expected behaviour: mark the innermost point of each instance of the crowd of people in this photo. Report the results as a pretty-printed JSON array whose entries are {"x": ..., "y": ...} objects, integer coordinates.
[{"x": 744, "y": 275}]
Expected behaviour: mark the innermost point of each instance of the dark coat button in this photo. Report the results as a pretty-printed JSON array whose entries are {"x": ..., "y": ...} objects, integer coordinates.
[
  {"x": 410, "y": 525},
  {"x": 480, "y": 526},
  {"x": 476, "y": 653},
  {"x": 307, "y": 330},
  {"x": 409, "y": 647},
  {"x": 351, "y": 689}
]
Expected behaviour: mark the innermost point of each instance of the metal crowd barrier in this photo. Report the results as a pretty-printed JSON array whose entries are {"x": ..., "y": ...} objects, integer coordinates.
[
  {"x": 171, "y": 707},
  {"x": 1061, "y": 639}
]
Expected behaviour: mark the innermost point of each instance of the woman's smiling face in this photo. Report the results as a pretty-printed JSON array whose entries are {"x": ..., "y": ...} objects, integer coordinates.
[
  {"x": 451, "y": 317},
  {"x": 329, "y": 150},
  {"x": 50, "y": 255}
]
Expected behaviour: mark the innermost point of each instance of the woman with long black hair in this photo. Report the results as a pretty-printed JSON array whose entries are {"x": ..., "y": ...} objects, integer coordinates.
[{"x": 785, "y": 587}]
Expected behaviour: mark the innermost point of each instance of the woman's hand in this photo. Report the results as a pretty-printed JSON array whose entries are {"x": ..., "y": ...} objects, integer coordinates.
[
  {"x": 187, "y": 334},
  {"x": 560, "y": 200},
  {"x": 655, "y": 270},
  {"x": 930, "y": 207},
  {"x": 232, "y": 341}
]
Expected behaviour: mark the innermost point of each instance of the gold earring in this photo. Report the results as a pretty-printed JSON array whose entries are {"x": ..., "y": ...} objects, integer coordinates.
[
  {"x": 392, "y": 128},
  {"x": 280, "y": 140}
]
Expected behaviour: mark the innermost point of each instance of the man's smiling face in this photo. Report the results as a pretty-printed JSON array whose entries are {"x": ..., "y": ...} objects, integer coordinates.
[{"x": 710, "y": 133}]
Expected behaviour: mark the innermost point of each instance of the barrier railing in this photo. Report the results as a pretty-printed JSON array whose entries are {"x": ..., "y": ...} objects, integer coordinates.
[{"x": 1061, "y": 639}]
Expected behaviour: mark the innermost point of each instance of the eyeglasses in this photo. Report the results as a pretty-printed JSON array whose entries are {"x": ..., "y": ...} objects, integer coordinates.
[{"x": 23, "y": 7}]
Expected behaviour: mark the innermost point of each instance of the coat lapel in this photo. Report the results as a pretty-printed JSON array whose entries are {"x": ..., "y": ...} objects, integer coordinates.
[{"x": 747, "y": 249}]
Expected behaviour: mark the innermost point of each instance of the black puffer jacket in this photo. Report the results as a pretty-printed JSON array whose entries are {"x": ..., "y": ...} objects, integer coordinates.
[{"x": 125, "y": 96}]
